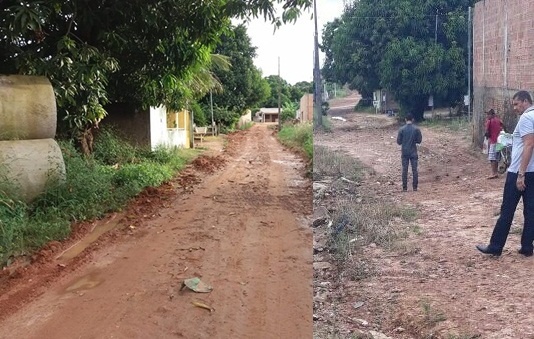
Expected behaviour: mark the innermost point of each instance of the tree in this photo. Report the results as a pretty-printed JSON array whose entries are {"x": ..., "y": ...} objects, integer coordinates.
[
  {"x": 275, "y": 82},
  {"x": 145, "y": 52},
  {"x": 299, "y": 89},
  {"x": 242, "y": 84},
  {"x": 394, "y": 44}
]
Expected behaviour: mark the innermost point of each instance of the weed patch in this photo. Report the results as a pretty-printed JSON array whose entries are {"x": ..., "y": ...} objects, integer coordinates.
[
  {"x": 328, "y": 163},
  {"x": 359, "y": 224},
  {"x": 246, "y": 125},
  {"x": 457, "y": 124},
  {"x": 299, "y": 137},
  {"x": 94, "y": 185}
]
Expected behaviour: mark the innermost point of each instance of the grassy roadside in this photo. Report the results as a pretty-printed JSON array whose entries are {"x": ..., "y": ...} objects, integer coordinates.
[
  {"x": 356, "y": 220},
  {"x": 359, "y": 217},
  {"x": 298, "y": 137},
  {"x": 95, "y": 185}
]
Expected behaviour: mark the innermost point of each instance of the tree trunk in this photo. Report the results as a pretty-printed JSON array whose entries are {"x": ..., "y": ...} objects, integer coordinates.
[{"x": 85, "y": 140}]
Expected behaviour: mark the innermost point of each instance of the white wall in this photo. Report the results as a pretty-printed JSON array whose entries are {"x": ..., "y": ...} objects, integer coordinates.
[
  {"x": 160, "y": 135},
  {"x": 246, "y": 118},
  {"x": 176, "y": 137},
  {"x": 158, "y": 126}
]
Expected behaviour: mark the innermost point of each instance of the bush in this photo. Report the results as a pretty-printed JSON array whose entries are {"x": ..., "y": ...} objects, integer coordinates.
[
  {"x": 199, "y": 114},
  {"x": 142, "y": 175},
  {"x": 110, "y": 149}
]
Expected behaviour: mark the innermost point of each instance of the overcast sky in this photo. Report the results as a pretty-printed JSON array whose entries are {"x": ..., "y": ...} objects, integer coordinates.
[{"x": 293, "y": 43}]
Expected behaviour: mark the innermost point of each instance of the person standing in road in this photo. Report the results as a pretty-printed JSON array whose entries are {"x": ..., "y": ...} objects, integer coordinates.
[
  {"x": 408, "y": 137},
  {"x": 493, "y": 128},
  {"x": 519, "y": 182}
]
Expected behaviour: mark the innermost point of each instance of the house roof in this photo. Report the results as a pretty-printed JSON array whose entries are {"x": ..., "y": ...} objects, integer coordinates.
[{"x": 269, "y": 110}]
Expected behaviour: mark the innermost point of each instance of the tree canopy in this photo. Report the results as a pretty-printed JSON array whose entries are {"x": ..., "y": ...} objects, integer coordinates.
[
  {"x": 288, "y": 93},
  {"x": 145, "y": 52},
  {"x": 242, "y": 84},
  {"x": 413, "y": 48}
]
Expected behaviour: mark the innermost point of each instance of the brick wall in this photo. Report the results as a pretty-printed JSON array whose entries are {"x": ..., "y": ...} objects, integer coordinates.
[{"x": 503, "y": 57}]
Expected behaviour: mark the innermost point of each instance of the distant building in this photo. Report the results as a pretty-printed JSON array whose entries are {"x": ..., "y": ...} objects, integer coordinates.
[
  {"x": 305, "y": 112},
  {"x": 383, "y": 101},
  {"x": 267, "y": 115}
]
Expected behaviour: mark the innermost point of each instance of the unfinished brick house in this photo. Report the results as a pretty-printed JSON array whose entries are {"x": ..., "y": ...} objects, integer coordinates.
[{"x": 503, "y": 58}]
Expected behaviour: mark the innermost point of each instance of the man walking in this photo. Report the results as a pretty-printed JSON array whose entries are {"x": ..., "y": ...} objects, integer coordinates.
[
  {"x": 408, "y": 137},
  {"x": 519, "y": 182}
]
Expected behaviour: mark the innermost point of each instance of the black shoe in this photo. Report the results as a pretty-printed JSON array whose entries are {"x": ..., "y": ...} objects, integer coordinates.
[
  {"x": 487, "y": 250},
  {"x": 526, "y": 253}
]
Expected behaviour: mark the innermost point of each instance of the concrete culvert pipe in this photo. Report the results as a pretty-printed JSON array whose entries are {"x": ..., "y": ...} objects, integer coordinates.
[
  {"x": 28, "y": 166},
  {"x": 27, "y": 108}
]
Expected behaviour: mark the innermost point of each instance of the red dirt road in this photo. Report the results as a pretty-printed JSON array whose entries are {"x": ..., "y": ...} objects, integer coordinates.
[{"x": 243, "y": 230}]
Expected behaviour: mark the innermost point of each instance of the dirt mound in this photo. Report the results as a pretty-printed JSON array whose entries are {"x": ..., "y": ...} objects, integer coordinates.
[{"x": 209, "y": 164}]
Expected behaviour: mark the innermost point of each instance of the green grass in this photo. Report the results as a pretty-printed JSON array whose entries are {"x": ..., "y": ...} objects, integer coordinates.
[
  {"x": 455, "y": 124},
  {"x": 328, "y": 163},
  {"x": 360, "y": 218},
  {"x": 299, "y": 137},
  {"x": 246, "y": 125},
  {"x": 94, "y": 186}
]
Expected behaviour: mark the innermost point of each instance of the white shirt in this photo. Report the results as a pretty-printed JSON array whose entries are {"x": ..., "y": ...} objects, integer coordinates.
[{"x": 524, "y": 126}]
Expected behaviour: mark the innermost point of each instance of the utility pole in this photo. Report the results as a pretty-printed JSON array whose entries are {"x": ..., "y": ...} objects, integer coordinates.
[
  {"x": 279, "y": 97},
  {"x": 436, "y": 29},
  {"x": 317, "y": 102},
  {"x": 212, "y": 121},
  {"x": 469, "y": 46},
  {"x": 431, "y": 99}
]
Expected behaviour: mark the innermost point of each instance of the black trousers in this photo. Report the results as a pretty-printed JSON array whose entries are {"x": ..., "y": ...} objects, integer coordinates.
[{"x": 406, "y": 160}]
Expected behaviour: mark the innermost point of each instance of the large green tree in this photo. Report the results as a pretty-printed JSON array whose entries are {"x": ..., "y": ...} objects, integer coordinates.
[
  {"x": 277, "y": 86},
  {"x": 299, "y": 89},
  {"x": 243, "y": 86},
  {"x": 145, "y": 52},
  {"x": 414, "y": 48}
]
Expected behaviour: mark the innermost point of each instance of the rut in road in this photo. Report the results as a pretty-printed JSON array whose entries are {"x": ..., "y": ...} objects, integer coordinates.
[{"x": 244, "y": 230}]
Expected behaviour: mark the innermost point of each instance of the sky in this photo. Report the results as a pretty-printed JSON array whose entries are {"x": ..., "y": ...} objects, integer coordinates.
[{"x": 293, "y": 43}]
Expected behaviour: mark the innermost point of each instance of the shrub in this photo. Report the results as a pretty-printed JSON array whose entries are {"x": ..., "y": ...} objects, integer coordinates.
[{"x": 110, "y": 149}]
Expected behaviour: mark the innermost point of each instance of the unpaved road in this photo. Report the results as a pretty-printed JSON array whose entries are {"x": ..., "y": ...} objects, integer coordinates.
[
  {"x": 436, "y": 285},
  {"x": 243, "y": 230}
]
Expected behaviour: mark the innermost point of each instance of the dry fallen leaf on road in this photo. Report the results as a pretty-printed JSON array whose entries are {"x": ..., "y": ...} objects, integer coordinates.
[
  {"x": 202, "y": 305},
  {"x": 196, "y": 285}
]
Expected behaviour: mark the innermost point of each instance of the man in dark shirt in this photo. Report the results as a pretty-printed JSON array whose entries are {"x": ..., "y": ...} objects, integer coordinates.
[{"x": 409, "y": 135}]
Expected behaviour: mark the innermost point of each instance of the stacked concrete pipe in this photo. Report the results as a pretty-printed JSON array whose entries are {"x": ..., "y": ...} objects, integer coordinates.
[{"x": 30, "y": 158}]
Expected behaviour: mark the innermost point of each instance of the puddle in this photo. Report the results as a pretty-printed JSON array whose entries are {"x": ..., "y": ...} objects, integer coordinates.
[
  {"x": 100, "y": 229},
  {"x": 86, "y": 282}
]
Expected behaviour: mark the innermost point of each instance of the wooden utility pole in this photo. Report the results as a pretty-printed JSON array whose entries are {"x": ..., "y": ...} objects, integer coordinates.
[
  {"x": 212, "y": 121},
  {"x": 279, "y": 97},
  {"x": 317, "y": 100}
]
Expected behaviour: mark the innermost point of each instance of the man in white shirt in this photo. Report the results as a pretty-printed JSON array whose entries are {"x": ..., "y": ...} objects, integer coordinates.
[{"x": 519, "y": 182}]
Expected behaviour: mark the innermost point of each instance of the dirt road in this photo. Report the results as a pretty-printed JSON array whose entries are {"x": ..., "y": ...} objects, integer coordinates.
[
  {"x": 242, "y": 229},
  {"x": 436, "y": 285}
]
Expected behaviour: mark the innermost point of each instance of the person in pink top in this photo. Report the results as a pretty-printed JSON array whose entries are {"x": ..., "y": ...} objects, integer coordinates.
[{"x": 493, "y": 128}]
